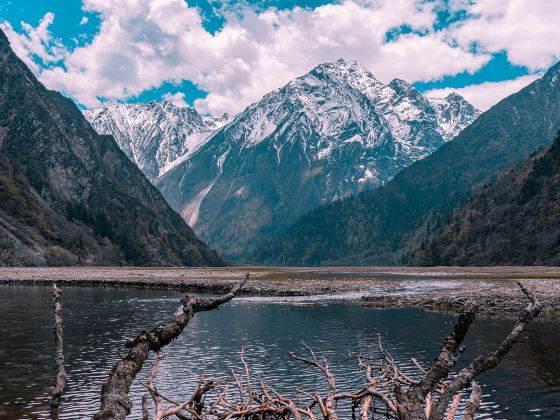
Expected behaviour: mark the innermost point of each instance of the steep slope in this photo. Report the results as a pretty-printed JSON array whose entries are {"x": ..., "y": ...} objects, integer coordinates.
[
  {"x": 328, "y": 134},
  {"x": 385, "y": 225},
  {"x": 155, "y": 135},
  {"x": 70, "y": 195},
  {"x": 513, "y": 221}
]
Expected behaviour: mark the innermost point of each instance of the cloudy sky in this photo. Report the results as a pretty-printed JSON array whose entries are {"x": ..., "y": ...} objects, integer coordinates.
[{"x": 220, "y": 56}]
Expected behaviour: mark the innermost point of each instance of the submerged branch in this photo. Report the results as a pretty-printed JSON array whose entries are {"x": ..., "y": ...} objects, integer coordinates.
[
  {"x": 387, "y": 392},
  {"x": 60, "y": 381},
  {"x": 115, "y": 402}
]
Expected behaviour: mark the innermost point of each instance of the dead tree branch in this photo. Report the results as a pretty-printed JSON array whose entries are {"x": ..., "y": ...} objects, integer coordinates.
[
  {"x": 411, "y": 403},
  {"x": 60, "y": 381},
  {"x": 473, "y": 403},
  {"x": 115, "y": 403},
  {"x": 326, "y": 405},
  {"x": 482, "y": 364},
  {"x": 387, "y": 392}
]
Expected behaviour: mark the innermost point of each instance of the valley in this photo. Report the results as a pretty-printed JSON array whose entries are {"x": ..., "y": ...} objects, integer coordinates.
[{"x": 330, "y": 133}]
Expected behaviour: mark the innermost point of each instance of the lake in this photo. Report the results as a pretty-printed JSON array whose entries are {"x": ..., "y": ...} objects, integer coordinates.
[{"x": 97, "y": 320}]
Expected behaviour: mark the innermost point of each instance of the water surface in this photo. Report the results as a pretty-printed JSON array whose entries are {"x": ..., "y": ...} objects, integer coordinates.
[{"x": 96, "y": 321}]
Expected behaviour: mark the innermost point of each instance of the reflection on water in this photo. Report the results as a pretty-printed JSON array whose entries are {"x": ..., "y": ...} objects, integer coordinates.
[{"x": 97, "y": 320}]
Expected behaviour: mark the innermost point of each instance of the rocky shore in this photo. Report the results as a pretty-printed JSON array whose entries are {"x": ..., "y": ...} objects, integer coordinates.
[{"x": 446, "y": 289}]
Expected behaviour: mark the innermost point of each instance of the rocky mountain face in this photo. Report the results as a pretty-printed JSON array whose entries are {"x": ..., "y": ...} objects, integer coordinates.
[
  {"x": 386, "y": 226},
  {"x": 69, "y": 195},
  {"x": 333, "y": 132},
  {"x": 156, "y": 136},
  {"x": 513, "y": 221}
]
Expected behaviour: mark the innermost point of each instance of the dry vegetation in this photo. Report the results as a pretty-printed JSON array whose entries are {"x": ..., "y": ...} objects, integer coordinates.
[{"x": 387, "y": 392}]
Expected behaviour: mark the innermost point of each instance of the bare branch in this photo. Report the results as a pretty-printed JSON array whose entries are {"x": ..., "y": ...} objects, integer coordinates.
[
  {"x": 473, "y": 403},
  {"x": 454, "y": 407},
  {"x": 145, "y": 411},
  {"x": 115, "y": 403},
  {"x": 481, "y": 364},
  {"x": 60, "y": 381}
]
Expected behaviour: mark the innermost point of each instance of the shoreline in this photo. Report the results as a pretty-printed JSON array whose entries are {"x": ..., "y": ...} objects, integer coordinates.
[{"x": 442, "y": 289}]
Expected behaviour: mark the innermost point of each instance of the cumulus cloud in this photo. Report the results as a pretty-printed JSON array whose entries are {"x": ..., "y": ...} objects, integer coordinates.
[
  {"x": 526, "y": 29},
  {"x": 485, "y": 95},
  {"x": 143, "y": 43},
  {"x": 177, "y": 99},
  {"x": 36, "y": 45}
]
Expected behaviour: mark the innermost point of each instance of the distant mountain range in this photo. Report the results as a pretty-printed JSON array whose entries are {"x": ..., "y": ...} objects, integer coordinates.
[
  {"x": 69, "y": 195},
  {"x": 386, "y": 225},
  {"x": 331, "y": 133},
  {"x": 156, "y": 136},
  {"x": 333, "y": 168}
]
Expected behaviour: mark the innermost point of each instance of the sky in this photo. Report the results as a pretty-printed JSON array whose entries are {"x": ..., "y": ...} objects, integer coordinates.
[{"x": 221, "y": 56}]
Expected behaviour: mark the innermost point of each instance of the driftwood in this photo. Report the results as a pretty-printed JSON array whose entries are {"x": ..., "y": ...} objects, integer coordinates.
[
  {"x": 387, "y": 393},
  {"x": 473, "y": 403},
  {"x": 481, "y": 364},
  {"x": 115, "y": 402},
  {"x": 60, "y": 380}
]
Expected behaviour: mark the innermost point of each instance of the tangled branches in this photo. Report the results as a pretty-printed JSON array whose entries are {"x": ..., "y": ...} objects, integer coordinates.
[{"x": 387, "y": 391}]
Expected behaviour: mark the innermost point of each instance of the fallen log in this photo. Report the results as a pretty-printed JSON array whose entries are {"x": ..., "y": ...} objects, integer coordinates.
[{"x": 115, "y": 402}]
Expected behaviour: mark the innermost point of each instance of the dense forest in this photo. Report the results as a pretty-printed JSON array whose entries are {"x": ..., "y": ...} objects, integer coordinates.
[
  {"x": 385, "y": 225},
  {"x": 513, "y": 221}
]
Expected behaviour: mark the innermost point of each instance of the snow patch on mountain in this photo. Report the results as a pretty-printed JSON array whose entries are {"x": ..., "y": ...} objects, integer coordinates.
[{"x": 192, "y": 210}]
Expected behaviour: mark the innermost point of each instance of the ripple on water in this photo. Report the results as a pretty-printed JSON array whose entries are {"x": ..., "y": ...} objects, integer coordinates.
[{"x": 97, "y": 320}]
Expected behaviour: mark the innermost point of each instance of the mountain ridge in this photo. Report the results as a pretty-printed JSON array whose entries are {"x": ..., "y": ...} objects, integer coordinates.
[
  {"x": 514, "y": 220},
  {"x": 383, "y": 226},
  {"x": 156, "y": 135},
  {"x": 327, "y": 134}
]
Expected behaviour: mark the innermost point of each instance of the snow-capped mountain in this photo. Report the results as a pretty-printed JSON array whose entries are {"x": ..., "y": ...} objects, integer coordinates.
[
  {"x": 155, "y": 135},
  {"x": 453, "y": 114},
  {"x": 332, "y": 132}
]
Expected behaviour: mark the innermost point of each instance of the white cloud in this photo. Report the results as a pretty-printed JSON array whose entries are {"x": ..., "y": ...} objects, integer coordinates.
[
  {"x": 84, "y": 21},
  {"x": 526, "y": 29},
  {"x": 35, "y": 43},
  {"x": 143, "y": 43},
  {"x": 177, "y": 99},
  {"x": 485, "y": 95}
]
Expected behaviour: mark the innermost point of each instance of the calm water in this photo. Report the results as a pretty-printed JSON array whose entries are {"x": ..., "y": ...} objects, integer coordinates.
[{"x": 525, "y": 385}]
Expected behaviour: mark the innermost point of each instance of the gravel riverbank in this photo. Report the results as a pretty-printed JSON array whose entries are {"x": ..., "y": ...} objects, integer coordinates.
[{"x": 443, "y": 288}]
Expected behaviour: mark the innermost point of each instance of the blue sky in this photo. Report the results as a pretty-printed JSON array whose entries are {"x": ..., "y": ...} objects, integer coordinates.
[{"x": 220, "y": 56}]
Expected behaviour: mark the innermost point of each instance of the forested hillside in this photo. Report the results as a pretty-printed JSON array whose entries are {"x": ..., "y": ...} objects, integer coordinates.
[
  {"x": 513, "y": 221},
  {"x": 70, "y": 196}
]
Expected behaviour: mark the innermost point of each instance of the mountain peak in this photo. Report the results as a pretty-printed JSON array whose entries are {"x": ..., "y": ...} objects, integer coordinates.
[
  {"x": 454, "y": 96},
  {"x": 401, "y": 86},
  {"x": 347, "y": 70},
  {"x": 340, "y": 64},
  {"x": 155, "y": 135},
  {"x": 553, "y": 74}
]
